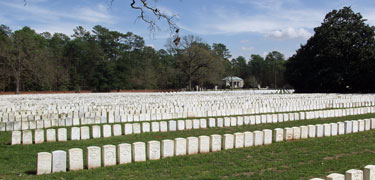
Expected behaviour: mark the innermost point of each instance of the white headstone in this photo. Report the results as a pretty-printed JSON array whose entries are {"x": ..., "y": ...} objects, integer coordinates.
[
  {"x": 348, "y": 127},
  {"x": 136, "y": 128},
  {"x": 204, "y": 144},
  {"x": 203, "y": 123},
  {"x": 354, "y": 174},
  {"x": 267, "y": 136},
  {"x": 153, "y": 150},
  {"x": 167, "y": 148},
  {"x": 62, "y": 134},
  {"x": 258, "y": 138},
  {"x": 96, "y": 131},
  {"x": 312, "y": 131},
  {"x": 355, "y": 126},
  {"x": 296, "y": 133},
  {"x": 335, "y": 176},
  {"x": 146, "y": 127},
  {"x": 180, "y": 125},
  {"x": 27, "y": 137},
  {"x": 94, "y": 159},
  {"x": 172, "y": 125},
  {"x": 334, "y": 129},
  {"x": 109, "y": 155},
  {"x": 124, "y": 153},
  {"x": 215, "y": 141},
  {"x": 319, "y": 130},
  {"x": 180, "y": 146},
  {"x": 163, "y": 126},
  {"x": 128, "y": 129},
  {"x": 369, "y": 172},
  {"x": 239, "y": 140},
  {"x": 372, "y": 123},
  {"x": 107, "y": 131},
  {"x": 44, "y": 163},
  {"x": 75, "y": 133},
  {"x": 139, "y": 151},
  {"x": 279, "y": 135},
  {"x": 341, "y": 128},
  {"x": 16, "y": 137},
  {"x": 367, "y": 124},
  {"x": 227, "y": 122},
  {"x": 192, "y": 145},
  {"x": 248, "y": 139},
  {"x": 188, "y": 124},
  {"x": 85, "y": 132},
  {"x": 51, "y": 135},
  {"x": 155, "y": 127},
  {"x": 211, "y": 122},
  {"x": 304, "y": 132},
  {"x": 233, "y": 121},
  {"x": 117, "y": 130},
  {"x": 58, "y": 161},
  {"x": 75, "y": 159},
  {"x": 228, "y": 141},
  {"x": 288, "y": 134},
  {"x": 220, "y": 122},
  {"x": 361, "y": 125}
]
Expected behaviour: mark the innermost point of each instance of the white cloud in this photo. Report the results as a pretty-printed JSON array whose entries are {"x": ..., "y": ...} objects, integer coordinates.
[
  {"x": 289, "y": 33},
  {"x": 231, "y": 22},
  {"x": 168, "y": 11},
  {"x": 370, "y": 16},
  {"x": 245, "y": 48},
  {"x": 98, "y": 14},
  {"x": 244, "y": 41}
]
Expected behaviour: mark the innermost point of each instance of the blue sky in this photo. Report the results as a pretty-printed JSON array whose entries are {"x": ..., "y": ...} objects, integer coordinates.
[{"x": 245, "y": 26}]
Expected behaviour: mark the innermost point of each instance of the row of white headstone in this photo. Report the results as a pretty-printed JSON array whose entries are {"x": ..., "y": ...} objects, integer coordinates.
[
  {"x": 40, "y": 124},
  {"x": 137, "y": 152},
  {"x": 176, "y": 112},
  {"x": 182, "y": 110},
  {"x": 75, "y": 117},
  {"x": 323, "y": 130},
  {"x": 125, "y": 153},
  {"x": 353, "y": 174},
  {"x": 83, "y": 133},
  {"x": 38, "y": 104}
]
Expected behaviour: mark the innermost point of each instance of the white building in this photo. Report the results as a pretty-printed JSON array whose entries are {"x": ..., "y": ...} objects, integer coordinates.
[{"x": 233, "y": 82}]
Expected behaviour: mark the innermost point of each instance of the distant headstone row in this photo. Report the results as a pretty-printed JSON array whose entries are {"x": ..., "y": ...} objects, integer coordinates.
[
  {"x": 107, "y": 130},
  {"x": 110, "y": 155},
  {"x": 72, "y": 110}
]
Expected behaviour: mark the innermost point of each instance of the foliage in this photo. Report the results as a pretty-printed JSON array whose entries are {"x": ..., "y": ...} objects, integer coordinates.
[
  {"x": 338, "y": 58},
  {"x": 103, "y": 60}
]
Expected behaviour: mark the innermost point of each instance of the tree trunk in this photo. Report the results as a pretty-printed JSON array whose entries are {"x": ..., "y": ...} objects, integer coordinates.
[
  {"x": 17, "y": 85},
  {"x": 189, "y": 84}
]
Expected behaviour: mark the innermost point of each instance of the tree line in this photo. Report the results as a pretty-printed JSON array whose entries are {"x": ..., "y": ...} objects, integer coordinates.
[
  {"x": 102, "y": 60},
  {"x": 339, "y": 57}
]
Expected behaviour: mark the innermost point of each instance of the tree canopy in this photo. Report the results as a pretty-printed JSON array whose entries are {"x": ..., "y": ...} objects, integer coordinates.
[
  {"x": 338, "y": 58},
  {"x": 104, "y": 60}
]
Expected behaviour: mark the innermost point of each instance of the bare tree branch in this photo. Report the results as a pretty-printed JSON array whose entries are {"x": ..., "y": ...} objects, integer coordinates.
[{"x": 144, "y": 7}]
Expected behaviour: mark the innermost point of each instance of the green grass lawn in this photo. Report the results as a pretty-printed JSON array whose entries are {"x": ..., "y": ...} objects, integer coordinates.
[{"x": 301, "y": 159}]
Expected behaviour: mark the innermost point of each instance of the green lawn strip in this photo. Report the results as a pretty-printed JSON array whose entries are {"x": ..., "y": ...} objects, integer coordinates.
[{"x": 21, "y": 159}]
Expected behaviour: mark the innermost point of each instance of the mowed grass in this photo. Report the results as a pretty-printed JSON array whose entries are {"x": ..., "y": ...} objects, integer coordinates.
[{"x": 302, "y": 159}]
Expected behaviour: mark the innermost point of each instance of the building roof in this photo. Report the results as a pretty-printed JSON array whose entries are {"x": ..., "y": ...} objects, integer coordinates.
[{"x": 232, "y": 78}]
